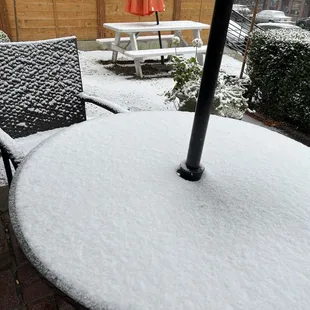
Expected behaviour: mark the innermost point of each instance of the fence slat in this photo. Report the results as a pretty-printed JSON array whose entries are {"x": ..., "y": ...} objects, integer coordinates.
[
  {"x": 43, "y": 19},
  {"x": 100, "y": 18},
  {"x": 4, "y": 19},
  {"x": 177, "y": 9},
  {"x": 55, "y": 18}
]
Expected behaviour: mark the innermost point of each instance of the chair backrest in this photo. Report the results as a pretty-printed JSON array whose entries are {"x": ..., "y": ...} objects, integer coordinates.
[
  {"x": 10, "y": 152},
  {"x": 39, "y": 86}
]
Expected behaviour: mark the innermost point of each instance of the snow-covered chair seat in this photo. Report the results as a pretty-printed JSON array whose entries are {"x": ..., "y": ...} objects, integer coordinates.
[
  {"x": 41, "y": 87},
  {"x": 10, "y": 152}
]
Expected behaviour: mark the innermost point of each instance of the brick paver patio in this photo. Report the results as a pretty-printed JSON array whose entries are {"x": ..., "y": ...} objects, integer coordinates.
[{"x": 21, "y": 286}]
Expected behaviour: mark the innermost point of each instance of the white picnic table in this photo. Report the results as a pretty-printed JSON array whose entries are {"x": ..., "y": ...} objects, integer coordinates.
[{"x": 134, "y": 29}]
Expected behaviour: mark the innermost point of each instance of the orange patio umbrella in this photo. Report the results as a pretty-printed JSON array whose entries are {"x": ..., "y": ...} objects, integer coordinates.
[{"x": 146, "y": 7}]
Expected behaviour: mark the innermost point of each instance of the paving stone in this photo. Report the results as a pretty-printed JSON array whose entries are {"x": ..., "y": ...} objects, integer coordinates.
[
  {"x": 5, "y": 261},
  {"x": 27, "y": 274},
  {"x": 17, "y": 251},
  {"x": 35, "y": 291},
  {"x": 63, "y": 304},
  {"x": 5, "y": 257},
  {"x": 3, "y": 245},
  {"x": 3, "y": 240},
  {"x": 8, "y": 296},
  {"x": 6, "y": 217},
  {"x": 4, "y": 194},
  {"x": 45, "y": 304}
]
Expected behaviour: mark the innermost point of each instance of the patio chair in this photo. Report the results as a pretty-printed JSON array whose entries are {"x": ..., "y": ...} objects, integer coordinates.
[
  {"x": 41, "y": 87},
  {"x": 10, "y": 153}
]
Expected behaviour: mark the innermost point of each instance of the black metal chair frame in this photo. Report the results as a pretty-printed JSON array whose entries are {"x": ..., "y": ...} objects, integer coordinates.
[
  {"x": 7, "y": 166},
  {"x": 11, "y": 154}
]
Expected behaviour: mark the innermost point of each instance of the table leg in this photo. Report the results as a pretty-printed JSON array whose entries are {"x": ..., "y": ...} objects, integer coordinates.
[
  {"x": 197, "y": 36},
  {"x": 134, "y": 47},
  {"x": 116, "y": 42}
]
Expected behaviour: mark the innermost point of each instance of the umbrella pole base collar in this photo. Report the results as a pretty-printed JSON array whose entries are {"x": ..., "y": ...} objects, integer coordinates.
[{"x": 190, "y": 174}]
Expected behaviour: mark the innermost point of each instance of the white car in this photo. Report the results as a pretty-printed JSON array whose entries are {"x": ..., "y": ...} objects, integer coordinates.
[
  {"x": 267, "y": 16},
  {"x": 242, "y": 9},
  {"x": 267, "y": 26}
]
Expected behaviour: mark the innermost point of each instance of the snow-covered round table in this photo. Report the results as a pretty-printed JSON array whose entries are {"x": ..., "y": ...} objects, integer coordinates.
[{"x": 100, "y": 210}]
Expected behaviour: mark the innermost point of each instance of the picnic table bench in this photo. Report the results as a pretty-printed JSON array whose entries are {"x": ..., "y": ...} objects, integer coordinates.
[{"x": 133, "y": 31}]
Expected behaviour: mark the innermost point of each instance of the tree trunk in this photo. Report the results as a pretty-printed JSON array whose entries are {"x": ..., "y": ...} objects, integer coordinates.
[
  {"x": 265, "y": 5},
  {"x": 302, "y": 8},
  {"x": 290, "y": 7},
  {"x": 284, "y": 7}
]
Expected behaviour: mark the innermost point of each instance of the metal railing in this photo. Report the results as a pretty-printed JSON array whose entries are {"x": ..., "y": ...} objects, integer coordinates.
[{"x": 238, "y": 32}]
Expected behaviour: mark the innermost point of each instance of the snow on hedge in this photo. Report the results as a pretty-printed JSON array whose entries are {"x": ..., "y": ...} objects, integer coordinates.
[{"x": 279, "y": 66}]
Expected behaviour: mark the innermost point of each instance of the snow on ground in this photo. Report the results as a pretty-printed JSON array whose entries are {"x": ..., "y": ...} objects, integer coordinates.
[
  {"x": 231, "y": 65},
  {"x": 128, "y": 92},
  {"x": 132, "y": 93}
]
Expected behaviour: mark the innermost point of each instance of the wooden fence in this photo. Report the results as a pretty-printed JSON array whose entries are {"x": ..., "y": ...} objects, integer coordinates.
[{"x": 25, "y": 20}]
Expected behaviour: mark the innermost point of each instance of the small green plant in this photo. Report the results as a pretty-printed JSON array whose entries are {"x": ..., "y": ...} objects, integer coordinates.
[
  {"x": 185, "y": 70},
  {"x": 4, "y": 37},
  {"x": 197, "y": 43},
  {"x": 176, "y": 41},
  {"x": 229, "y": 99}
]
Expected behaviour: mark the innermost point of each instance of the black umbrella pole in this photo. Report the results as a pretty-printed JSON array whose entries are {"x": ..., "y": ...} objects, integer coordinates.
[
  {"x": 191, "y": 169},
  {"x": 159, "y": 37}
]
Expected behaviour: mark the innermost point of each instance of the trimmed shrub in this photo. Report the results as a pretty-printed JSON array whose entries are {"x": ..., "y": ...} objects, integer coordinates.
[
  {"x": 3, "y": 37},
  {"x": 279, "y": 69}
]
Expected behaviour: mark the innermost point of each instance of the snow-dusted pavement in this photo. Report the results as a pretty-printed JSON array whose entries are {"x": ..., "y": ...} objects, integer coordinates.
[
  {"x": 145, "y": 94},
  {"x": 135, "y": 94}
]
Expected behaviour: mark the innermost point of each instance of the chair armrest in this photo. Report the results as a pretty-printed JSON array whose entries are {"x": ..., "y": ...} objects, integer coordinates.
[
  {"x": 108, "y": 105},
  {"x": 9, "y": 146}
]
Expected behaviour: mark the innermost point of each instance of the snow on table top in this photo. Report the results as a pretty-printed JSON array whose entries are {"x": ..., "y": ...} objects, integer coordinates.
[
  {"x": 101, "y": 212},
  {"x": 152, "y": 26}
]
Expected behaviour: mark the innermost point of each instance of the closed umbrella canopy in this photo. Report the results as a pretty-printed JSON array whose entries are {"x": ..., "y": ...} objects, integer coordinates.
[
  {"x": 147, "y": 7},
  {"x": 144, "y": 7}
]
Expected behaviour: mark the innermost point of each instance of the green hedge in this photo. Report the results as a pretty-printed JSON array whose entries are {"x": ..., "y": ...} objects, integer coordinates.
[{"x": 279, "y": 68}]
